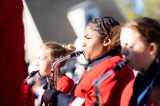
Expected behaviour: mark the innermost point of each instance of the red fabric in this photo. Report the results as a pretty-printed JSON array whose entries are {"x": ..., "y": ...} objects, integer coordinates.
[
  {"x": 65, "y": 84},
  {"x": 12, "y": 64},
  {"x": 28, "y": 95},
  {"x": 110, "y": 89},
  {"x": 127, "y": 93}
]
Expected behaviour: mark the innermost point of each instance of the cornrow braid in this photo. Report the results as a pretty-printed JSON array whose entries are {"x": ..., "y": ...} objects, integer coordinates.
[
  {"x": 103, "y": 25},
  {"x": 108, "y": 27}
]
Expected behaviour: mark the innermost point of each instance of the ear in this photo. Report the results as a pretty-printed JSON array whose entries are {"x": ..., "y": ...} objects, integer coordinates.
[
  {"x": 153, "y": 49},
  {"x": 107, "y": 41}
]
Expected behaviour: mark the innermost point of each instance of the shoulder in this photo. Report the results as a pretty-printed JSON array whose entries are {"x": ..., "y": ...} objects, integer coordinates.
[
  {"x": 116, "y": 59},
  {"x": 111, "y": 62},
  {"x": 127, "y": 93}
]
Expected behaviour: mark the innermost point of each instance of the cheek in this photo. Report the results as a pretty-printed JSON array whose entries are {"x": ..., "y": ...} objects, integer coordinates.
[
  {"x": 136, "y": 56},
  {"x": 47, "y": 66},
  {"x": 95, "y": 50},
  {"x": 44, "y": 66},
  {"x": 141, "y": 53},
  {"x": 45, "y": 69},
  {"x": 131, "y": 56},
  {"x": 89, "y": 48},
  {"x": 137, "y": 51},
  {"x": 137, "y": 60}
]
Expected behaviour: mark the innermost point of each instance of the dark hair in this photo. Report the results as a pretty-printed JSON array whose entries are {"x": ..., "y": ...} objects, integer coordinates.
[
  {"x": 103, "y": 25},
  {"x": 149, "y": 29},
  {"x": 107, "y": 27}
]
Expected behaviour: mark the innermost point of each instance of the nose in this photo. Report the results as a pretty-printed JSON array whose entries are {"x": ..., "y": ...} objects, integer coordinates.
[
  {"x": 124, "y": 51},
  {"x": 37, "y": 64}
]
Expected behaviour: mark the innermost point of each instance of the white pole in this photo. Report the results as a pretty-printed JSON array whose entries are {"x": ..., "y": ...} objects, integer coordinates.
[{"x": 33, "y": 38}]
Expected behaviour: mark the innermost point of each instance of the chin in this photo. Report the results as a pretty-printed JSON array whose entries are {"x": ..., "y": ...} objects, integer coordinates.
[
  {"x": 129, "y": 63},
  {"x": 134, "y": 67},
  {"x": 86, "y": 58},
  {"x": 42, "y": 74}
]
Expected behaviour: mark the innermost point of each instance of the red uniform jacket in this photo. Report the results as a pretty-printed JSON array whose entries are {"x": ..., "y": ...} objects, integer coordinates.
[
  {"x": 65, "y": 84},
  {"x": 138, "y": 91},
  {"x": 127, "y": 93},
  {"x": 110, "y": 89}
]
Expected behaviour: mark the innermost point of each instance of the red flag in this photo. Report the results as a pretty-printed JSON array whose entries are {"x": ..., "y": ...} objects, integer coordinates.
[{"x": 12, "y": 64}]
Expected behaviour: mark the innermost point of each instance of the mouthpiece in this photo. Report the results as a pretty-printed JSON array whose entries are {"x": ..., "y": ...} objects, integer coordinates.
[
  {"x": 30, "y": 75},
  {"x": 64, "y": 58},
  {"x": 76, "y": 53}
]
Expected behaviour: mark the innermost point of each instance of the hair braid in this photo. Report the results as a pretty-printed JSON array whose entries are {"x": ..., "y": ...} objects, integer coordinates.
[
  {"x": 103, "y": 25},
  {"x": 107, "y": 27}
]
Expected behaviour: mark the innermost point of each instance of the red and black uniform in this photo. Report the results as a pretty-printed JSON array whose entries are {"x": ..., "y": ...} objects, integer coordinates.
[
  {"x": 64, "y": 84},
  {"x": 84, "y": 93},
  {"x": 137, "y": 92}
]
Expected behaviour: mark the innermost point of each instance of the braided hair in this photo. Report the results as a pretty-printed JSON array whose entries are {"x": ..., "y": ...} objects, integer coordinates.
[
  {"x": 103, "y": 25},
  {"x": 108, "y": 27}
]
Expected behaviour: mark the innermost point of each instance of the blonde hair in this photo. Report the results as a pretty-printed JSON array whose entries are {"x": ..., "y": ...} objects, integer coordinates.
[
  {"x": 56, "y": 50},
  {"x": 69, "y": 48}
]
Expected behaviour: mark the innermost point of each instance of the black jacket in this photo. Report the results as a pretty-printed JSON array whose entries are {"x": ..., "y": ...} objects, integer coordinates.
[{"x": 143, "y": 81}]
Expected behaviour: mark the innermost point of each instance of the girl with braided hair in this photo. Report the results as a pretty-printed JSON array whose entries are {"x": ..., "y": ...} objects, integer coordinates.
[{"x": 102, "y": 50}]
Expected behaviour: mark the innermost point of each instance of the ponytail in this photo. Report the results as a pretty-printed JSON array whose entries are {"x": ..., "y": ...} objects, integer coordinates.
[{"x": 69, "y": 48}]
